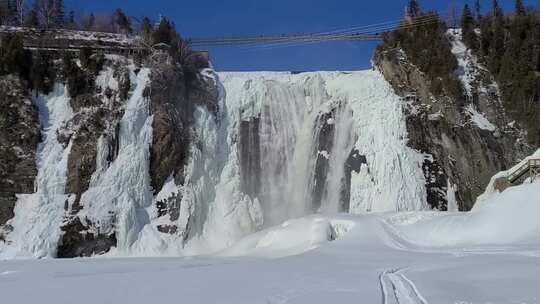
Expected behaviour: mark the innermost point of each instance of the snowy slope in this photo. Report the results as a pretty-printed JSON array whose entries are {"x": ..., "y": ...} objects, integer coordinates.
[{"x": 377, "y": 258}]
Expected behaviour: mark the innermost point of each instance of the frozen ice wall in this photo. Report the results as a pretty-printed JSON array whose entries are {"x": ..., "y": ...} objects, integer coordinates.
[{"x": 316, "y": 131}]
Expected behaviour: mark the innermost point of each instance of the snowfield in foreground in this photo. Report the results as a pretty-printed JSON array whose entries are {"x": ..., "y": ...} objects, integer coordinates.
[{"x": 491, "y": 255}]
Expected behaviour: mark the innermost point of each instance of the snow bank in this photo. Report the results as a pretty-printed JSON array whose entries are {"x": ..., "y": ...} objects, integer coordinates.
[
  {"x": 510, "y": 217},
  {"x": 293, "y": 237}
]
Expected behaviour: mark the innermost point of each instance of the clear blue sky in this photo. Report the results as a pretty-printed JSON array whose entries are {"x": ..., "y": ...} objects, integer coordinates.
[{"x": 203, "y": 18}]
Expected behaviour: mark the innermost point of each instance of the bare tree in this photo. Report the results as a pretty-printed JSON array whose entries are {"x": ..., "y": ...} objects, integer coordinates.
[
  {"x": 45, "y": 11},
  {"x": 453, "y": 14},
  {"x": 20, "y": 6}
]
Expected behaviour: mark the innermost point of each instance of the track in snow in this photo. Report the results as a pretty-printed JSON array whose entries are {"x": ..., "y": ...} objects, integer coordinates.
[{"x": 396, "y": 288}]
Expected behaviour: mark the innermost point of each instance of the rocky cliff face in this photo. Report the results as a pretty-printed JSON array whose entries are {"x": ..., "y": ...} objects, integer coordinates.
[
  {"x": 469, "y": 139},
  {"x": 19, "y": 138}
]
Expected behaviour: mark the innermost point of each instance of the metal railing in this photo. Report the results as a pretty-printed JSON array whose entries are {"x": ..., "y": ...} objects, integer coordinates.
[{"x": 531, "y": 167}]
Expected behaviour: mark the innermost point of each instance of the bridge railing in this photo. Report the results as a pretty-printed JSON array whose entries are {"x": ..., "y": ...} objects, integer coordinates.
[{"x": 522, "y": 170}]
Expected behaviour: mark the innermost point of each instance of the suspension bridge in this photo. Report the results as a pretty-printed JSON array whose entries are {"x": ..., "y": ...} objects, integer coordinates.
[
  {"x": 373, "y": 32},
  {"x": 216, "y": 41},
  {"x": 112, "y": 43}
]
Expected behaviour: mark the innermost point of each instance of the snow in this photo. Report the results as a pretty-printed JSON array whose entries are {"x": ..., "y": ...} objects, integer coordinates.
[
  {"x": 490, "y": 256},
  {"x": 479, "y": 119},
  {"x": 469, "y": 72},
  {"x": 468, "y": 66},
  {"x": 102, "y": 37}
]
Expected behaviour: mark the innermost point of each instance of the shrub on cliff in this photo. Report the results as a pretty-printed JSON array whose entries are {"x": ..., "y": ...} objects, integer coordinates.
[
  {"x": 77, "y": 80},
  {"x": 13, "y": 58},
  {"x": 424, "y": 41}
]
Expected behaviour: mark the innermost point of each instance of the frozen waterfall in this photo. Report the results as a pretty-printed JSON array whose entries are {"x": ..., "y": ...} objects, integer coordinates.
[{"x": 282, "y": 146}]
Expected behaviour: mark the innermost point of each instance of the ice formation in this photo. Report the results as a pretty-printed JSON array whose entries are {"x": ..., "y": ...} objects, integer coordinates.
[{"x": 294, "y": 112}]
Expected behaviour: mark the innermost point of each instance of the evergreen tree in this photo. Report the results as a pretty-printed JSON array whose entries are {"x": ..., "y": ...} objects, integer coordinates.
[
  {"x": 71, "y": 20},
  {"x": 467, "y": 20},
  {"x": 413, "y": 9},
  {"x": 164, "y": 32},
  {"x": 496, "y": 50},
  {"x": 91, "y": 22},
  {"x": 498, "y": 14},
  {"x": 31, "y": 19},
  {"x": 121, "y": 22},
  {"x": 467, "y": 27},
  {"x": 477, "y": 10},
  {"x": 146, "y": 29},
  {"x": 520, "y": 9},
  {"x": 45, "y": 10}
]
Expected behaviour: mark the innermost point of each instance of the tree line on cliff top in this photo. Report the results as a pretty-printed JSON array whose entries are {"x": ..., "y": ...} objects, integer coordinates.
[{"x": 507, "y": 43}]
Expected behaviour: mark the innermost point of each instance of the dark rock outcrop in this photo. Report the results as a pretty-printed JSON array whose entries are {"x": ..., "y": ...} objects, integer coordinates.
[
  {"x": 325, "y": 134},
  {"x": 250, "y": 157},
  {"x": 171, "y": 125},
  {"x": 462, "y": 153},
  {"x": 19, "y": 138},
  {"x": 83, "y": 240}
]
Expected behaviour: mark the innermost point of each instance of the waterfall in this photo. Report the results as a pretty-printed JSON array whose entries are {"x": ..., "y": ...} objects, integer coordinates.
[
  {"x": 304, "y": 137},
  {"x": 323, "y": 142}
]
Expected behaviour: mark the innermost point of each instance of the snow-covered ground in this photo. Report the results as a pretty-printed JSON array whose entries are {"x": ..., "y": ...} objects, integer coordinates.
[{"x": 489, "y": 256}]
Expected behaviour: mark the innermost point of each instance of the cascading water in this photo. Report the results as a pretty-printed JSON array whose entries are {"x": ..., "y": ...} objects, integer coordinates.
[
  {"x": 323, "y": 142},
  {"x": 289, "y": 127}
]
